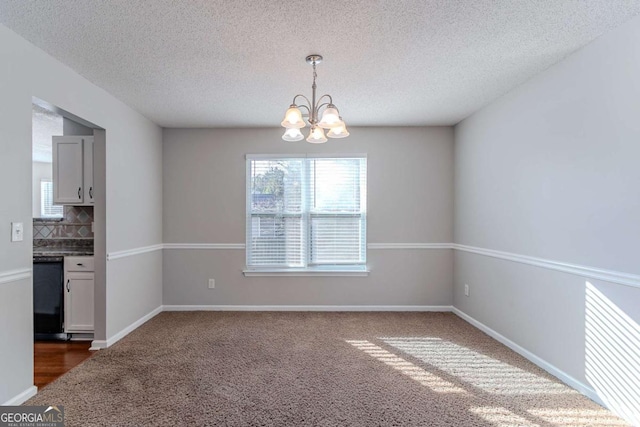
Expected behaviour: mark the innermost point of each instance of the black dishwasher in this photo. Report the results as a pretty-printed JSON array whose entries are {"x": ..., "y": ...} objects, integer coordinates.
[{"x": 48, "y": 297}]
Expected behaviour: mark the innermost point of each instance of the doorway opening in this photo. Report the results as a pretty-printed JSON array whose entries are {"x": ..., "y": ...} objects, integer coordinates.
[{"x": 68, "y": 206}]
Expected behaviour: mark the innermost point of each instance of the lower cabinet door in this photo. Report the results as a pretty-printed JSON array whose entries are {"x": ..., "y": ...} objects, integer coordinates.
[{"x": 78, "y": 302}]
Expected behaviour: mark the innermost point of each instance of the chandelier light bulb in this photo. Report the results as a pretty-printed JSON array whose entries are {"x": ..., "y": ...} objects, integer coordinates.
[
  {"x": 292, "y": 135},
  {"x": 316, "y": 136},
  {"x": 293, "y": 118},
  {"x": 339, "y": 131},
  {"x": 330, "y": 117}
]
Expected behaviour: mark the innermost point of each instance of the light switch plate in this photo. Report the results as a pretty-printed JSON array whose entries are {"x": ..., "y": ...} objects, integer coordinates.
[{"x": 17, "y": 232}]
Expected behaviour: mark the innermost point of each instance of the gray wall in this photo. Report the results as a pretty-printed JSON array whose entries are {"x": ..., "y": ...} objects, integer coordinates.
[
  {"x": 69, "y": 127},
  {"x": 133, "y": 197},
  {"x": 410, "y": 188},
  {"x": 551, "y": 171}
]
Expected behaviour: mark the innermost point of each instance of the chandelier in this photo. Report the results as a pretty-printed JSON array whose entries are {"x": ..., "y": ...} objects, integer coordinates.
[{"x": 294, "y": 119}]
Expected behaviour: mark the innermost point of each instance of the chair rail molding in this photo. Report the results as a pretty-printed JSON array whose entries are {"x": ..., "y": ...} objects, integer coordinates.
[
  {"x": 14, "y": 275},
  {"x": 621, "y": 278},
  {"x": 376, "y": 246},
  {"x": 135, "y": 251},
  {"x": 204, "y": 246},
  {"x": 617, "y": 277}
]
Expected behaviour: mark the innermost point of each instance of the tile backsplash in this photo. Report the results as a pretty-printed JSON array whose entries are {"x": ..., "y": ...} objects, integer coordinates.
[{"x": 76, "y": 224}]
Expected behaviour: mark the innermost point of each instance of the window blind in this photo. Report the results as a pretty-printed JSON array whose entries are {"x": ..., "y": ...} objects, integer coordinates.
[
  {"x": 306, "y": 213},
  {"x": 47, "y": 208}
]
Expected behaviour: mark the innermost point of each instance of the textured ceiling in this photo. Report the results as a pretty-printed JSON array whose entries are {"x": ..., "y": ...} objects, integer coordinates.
[{"x": 214, "y": 63}]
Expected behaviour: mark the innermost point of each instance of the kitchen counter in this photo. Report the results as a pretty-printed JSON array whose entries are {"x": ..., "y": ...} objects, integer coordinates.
[
  {"x": 62, "y": 247},
  {"x": 39, "y": 252}
]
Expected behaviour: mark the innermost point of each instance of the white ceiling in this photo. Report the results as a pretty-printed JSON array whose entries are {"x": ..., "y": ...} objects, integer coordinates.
[{"x": 215, "y": 63}]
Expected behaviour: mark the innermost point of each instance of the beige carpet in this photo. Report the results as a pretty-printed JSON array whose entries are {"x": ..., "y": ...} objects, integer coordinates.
[{"x": 314, "y": 369}]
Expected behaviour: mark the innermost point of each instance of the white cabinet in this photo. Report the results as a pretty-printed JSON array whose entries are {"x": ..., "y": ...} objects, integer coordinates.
[
  {"x": 67, "y": 170},
  {"x": 73, "y": 170},
  {"x": 87, "y": 164},
  {"x": 79, "y": 278}
]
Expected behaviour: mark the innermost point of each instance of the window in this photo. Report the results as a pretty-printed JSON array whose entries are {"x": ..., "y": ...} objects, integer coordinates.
[
  {"x": 306, "y": 213},
  {"x": 47, "y": 208}
]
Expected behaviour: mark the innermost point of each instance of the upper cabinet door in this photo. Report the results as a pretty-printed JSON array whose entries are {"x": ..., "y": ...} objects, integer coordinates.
[
  {"x": 89, "y": 189},
  {"x": 68, "y": 170}
]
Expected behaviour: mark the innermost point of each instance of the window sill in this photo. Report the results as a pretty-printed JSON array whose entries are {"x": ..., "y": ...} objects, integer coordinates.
[{"x": 297, "y": 273}]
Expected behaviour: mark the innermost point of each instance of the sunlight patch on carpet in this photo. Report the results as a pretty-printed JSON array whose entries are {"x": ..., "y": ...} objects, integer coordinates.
[
  {"x": 578, "y": 417},
  {"x": 479, "y": 370},
  {"x": 414, "y": 372},
  {"x": 501, "y": 417}
]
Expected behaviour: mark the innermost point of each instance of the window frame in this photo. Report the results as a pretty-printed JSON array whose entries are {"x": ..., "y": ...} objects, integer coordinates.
[{"x": 309, "y": 268}]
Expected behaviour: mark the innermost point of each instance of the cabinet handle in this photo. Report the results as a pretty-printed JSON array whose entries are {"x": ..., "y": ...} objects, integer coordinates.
[
  {"x": 91, "y": 192},
  {"x": 79, "y": 263},
  {"x": 79, "y": 192},
  {"x": 68, "y": 290}
]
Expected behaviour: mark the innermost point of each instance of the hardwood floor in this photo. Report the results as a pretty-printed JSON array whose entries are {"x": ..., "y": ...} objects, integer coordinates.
[{"x": 52, "y": 359}]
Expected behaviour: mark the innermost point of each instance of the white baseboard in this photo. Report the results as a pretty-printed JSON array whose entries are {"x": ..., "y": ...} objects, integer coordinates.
[
  {"x": 22, "y": 397},
  {"x": 561, "y": 375},
  {"x": 443, "y": 308},
  {"x": 100, "y": 344}
]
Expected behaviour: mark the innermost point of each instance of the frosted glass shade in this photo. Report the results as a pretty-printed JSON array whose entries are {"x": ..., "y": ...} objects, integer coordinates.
[
  {"x": 330, "y": 117},
  {"x": 293, "y": 118},
  {"x": 339, "y": 131},
  {"x": 292, "y": 135},
  {"x": 316, "y": 136}
]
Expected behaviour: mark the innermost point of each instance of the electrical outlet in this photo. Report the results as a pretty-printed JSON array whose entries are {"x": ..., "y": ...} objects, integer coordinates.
[
  {"x": 466, "y": 290},
  {"x": 212, "y": 283}
]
